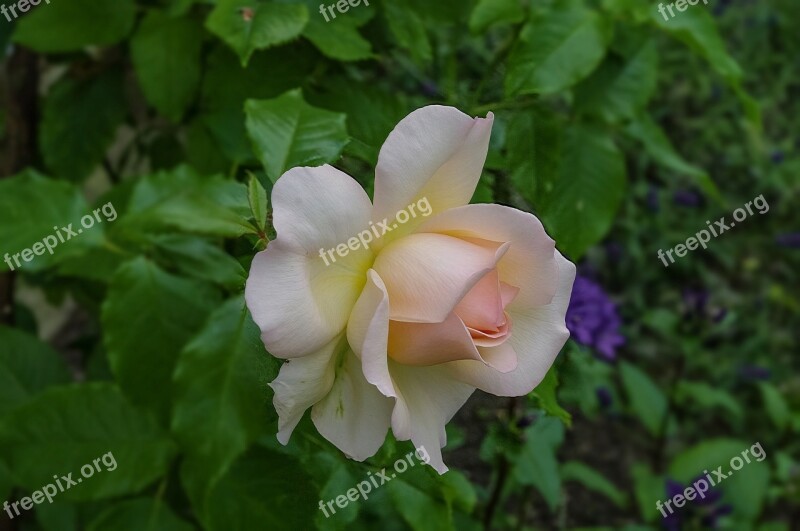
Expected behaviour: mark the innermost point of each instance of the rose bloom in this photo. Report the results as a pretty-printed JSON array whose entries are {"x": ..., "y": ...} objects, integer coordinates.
[{"x": 401, "y": 331}]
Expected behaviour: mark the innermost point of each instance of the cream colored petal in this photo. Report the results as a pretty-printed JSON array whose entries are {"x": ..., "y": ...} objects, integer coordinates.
[{"x": 436, "y": 153}]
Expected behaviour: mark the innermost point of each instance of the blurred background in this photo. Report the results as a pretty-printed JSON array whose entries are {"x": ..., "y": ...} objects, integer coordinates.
[{"x": 625, "y": 131}]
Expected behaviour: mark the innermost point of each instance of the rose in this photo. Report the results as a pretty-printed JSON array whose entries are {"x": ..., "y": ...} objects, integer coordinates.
[{"x": 401, "y": 332}]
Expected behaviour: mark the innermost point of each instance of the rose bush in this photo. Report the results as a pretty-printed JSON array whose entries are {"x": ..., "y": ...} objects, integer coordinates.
[{"x": 401, "y": 333}]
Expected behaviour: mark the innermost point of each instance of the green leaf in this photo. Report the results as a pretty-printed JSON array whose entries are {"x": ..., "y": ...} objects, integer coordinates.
[
  {"x": 579, "y": 208},
  {"x": 220, "y": 379},
  {"x": 185, "y": 201},
  {"x": 148, "y": 316},
  {"x": 744, "y": 489},
  {"x": 250, "y": 25},
  {"x": 490, "y": 12},
  {"x": 27, "y": 367},
  {"x": 263, "y": 490},
  {"x": 557, "y": 50},
  {"x": 80, "y": 118},
  {"x": 534, "y": 151},
  {"x": 257, "y": 197},
  {"x": 777, "y": 409},
  {"x": 97, "y": 264},
  {"x": 705, "y": 396},
  {"x": 57, "y": 205},
  {"x": 621, "y": 86},
  {"x": 140, "y": 514},
  {"x": 594, "y": 481},
  {"x": 339, "y": 479},
  {"x": 166, "y": 57},
  {"x": 658, "y": 146},
  {"x": 226, "y": 86},
  {"x": 57, "y": 516},
  {"x": 644, "y": 397},
  {"x": 408, "y": 29},
  {"x": 537, "y": 464},
  {"x": 287, "y": 132},
  {"x": 6, "y": 481},
  {"x": 56, "y": 27},
  {"x": 698, "y": 29},
  {"x": 199, "y": 259},
  {"x": 64, "y": 429},
  {"x": 545, "y": 392},
  {"x": 417, "y": 503},
  {"x": 458, "y": 490},
  {"x": 444, "y": 11},
  {"x": 372, "y": 112},
  {"x": 338, "y": 37},
  {"x": 647, "y": 488}
]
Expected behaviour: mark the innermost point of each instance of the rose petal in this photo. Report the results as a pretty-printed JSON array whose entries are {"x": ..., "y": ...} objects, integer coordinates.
[
  {"x": 368, "y": 333},
  {"x": 538, "y": 336},
  {"x": 428, "y": 399},
  {"x": 435, "y": 152},
  {"x": 431, "y": 343},
  {"x": 529, "y": 263},
  {"x": 317, "y": 208},
  {"x": 354, "y": 416},
  {"x": 301, "y": 383},
  {"x": 482, "y": 307},
  {"x": 299, "y": 303},
  {"x": 426, "y": 275}
]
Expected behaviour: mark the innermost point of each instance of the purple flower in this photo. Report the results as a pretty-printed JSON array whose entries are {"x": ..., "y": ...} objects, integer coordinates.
[
  {"x": 592, "y": 318},
  {"x": 687, "y": 198},
  {"x": 777, "y": 157},
  {"x": 604, "y": 397},
  {"x": 429, "y": 89},
  {"x": 754, "y": 373},
  {"x": 696, "y": 306},
  {"x": 695, "y": 300},
  {"x": 791, "y": 240},
  {"x": 706, "y": 509}
]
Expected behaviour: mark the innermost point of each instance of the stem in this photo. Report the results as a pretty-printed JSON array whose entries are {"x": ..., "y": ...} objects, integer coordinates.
[
  {"x": 20, "y": 80},
  {"x": 502, "y": 476},
  {"x": 658, "y": 455},
  {"x": 503, "y": 468}
]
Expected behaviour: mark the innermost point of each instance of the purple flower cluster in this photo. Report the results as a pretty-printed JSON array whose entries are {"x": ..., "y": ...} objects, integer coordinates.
[
  {"x": 791, "y": 240},
  {"x": 592, "y": 318},
  {"x": 708, "y": 510}
]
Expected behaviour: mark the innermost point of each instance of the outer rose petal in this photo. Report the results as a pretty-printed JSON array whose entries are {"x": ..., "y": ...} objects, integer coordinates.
[
  {"x": 354, "y": 416},
  {"x": 538, "y": 336},
  {"x": 302, "y": 383},
  {"x": 426, "y": 275},
  {"x": 317, "y": 208},
  {"x": 529, "y": 263},
  {"x": 299, "y": 303},
  {"x": 435, "y": 152},
  {"x": 428, "y": 399}
]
